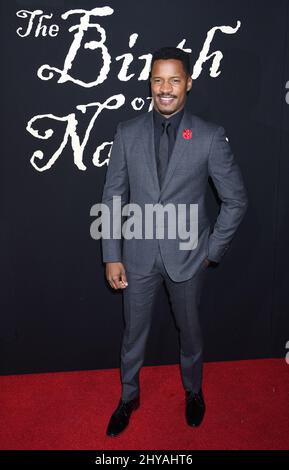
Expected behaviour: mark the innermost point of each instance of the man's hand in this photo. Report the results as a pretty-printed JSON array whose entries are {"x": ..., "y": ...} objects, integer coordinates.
[
  {"x": 207, "y": 262},
  {"x": 115, "y": 274}
]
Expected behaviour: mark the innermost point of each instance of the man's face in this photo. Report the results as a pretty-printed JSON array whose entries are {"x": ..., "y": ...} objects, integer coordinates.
[{"x": 169, "y": 85}]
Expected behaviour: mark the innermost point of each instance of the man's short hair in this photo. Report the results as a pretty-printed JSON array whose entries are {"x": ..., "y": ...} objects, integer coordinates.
[{"x": 165, "y": 53}]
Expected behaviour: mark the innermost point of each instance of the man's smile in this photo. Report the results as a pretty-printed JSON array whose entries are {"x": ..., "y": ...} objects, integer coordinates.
[{"x": 166, "y": 99}]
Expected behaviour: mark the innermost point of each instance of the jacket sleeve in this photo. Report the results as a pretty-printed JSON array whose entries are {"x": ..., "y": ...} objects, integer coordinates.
[
  {"x": 229, "y": 183},
  {"x": 116, "y": 184}
]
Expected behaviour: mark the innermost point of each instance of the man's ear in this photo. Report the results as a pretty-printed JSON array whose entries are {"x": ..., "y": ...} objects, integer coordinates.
[{"x": 189, "y": 84}]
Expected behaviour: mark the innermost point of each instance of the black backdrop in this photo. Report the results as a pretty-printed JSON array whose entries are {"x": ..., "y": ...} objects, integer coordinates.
[{"x": 57, "y": 311}]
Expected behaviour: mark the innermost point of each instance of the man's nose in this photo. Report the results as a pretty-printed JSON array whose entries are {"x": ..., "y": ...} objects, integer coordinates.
[{"x": 166, "y": 88}]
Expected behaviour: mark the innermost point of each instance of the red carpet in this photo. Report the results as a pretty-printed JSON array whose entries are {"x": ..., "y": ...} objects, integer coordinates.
[{"x": 247, "y": 408}]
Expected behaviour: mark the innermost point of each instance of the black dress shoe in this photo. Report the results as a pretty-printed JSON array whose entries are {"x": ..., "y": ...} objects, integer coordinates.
[
  {"x": 195, "y": 407},
  {"x": 120, "y": 418}
]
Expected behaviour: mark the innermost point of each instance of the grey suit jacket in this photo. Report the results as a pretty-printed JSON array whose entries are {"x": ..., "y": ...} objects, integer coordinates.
[{"x": 132, "y": 174}]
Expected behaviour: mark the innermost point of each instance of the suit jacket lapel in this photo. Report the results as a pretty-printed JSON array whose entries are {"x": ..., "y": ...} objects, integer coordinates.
[{"x": 181, "y": 145}]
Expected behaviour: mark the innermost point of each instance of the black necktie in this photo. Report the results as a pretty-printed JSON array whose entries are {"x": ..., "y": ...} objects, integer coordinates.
[{"x": 163, "y": 151}]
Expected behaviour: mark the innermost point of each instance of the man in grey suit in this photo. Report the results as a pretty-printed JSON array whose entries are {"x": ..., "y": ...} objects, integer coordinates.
[{"x": 159, "y": 159}]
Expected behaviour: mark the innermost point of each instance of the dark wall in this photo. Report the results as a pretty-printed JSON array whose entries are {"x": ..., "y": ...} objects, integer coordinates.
[{"x": 57, "y": 310}]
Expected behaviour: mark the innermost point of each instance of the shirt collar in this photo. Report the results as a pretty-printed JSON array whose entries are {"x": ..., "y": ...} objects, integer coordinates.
[{"x": 174, "y": 120}]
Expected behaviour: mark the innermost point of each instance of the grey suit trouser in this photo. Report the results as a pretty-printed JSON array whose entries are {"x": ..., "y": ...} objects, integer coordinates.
[{"x": 139, "y": 297}]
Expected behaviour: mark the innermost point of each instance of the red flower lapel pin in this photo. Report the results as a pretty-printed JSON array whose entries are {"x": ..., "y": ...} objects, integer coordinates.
[{"x": 187, "y": 134}]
